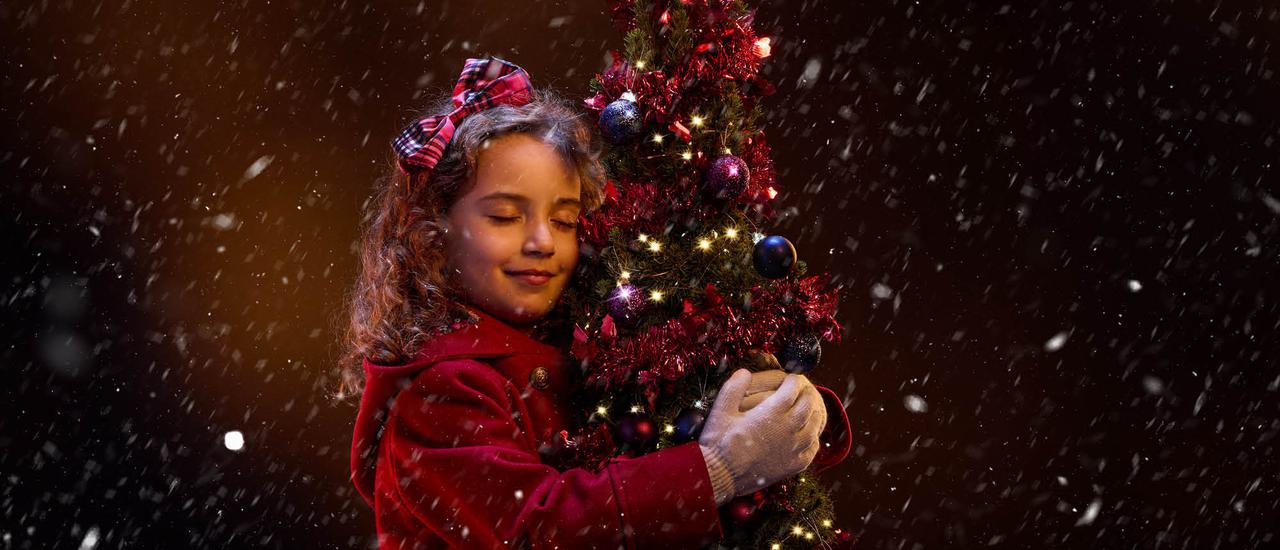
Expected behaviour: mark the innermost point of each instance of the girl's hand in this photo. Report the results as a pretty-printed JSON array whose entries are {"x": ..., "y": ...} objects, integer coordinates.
[
  {"x": 762, "y": 385},
  {"x": 747, "y": 451}
]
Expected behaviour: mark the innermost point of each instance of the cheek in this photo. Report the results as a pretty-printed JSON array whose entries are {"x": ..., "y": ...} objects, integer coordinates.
[{"x": 484, "y": 252}]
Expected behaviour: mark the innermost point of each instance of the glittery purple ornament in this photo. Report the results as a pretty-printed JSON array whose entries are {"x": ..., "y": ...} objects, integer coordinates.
[
  {"x": 626, "y": 303},
  {"x": 801, "y": 354},
  {"x": 727, "y": 178}
]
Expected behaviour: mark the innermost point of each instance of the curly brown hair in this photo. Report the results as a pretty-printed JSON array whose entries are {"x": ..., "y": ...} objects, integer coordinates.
[{"x": 402, "y": 297}]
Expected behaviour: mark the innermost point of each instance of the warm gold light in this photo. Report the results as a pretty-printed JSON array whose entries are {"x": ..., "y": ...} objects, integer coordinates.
[
  {"x": 639, "y": 64},
  {"x": 669, "y": 428},
  {"x": 601, "y": 410},
  {"x": 657, "y": 138},
  {"x": 656, "y": 296},
  {"x": 696, "y": 120},
  {"x": 655, "y": 246},
  {"x": 797, "y": 530},
  {"x": 626, "y": 275},
  {"x": 704, "y": 244},
  {"x": 731, "y": 232},
  {"x": 635, "y": 408},
  {"x": 686, "y": 155},
  {"x": 826, "y": 523},
  {"x": 644, "y": 238}
]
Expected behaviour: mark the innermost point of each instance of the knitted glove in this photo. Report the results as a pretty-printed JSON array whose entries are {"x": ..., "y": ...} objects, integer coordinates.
[{"x": 747, "y": 451}]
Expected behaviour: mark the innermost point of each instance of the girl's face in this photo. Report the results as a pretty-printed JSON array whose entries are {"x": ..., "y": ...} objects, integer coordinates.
[{"x": 512, "y": 239}]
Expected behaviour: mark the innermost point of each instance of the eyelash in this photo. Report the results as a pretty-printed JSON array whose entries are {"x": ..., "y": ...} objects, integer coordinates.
[{"x": 505, "y": 220}]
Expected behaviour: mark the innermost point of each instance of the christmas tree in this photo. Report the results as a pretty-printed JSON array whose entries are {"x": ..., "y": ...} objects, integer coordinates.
[{"x": 679, "y": 282}]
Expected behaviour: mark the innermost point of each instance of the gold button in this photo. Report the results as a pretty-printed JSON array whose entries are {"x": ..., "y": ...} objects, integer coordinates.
[{"x": 540, "y": 378}]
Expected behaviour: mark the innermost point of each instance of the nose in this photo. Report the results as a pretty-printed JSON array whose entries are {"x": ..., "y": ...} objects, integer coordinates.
[{"x": 538, "y": 240}]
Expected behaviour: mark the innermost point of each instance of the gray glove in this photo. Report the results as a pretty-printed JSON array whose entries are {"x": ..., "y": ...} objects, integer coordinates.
[{"x": 746, "y": 451}]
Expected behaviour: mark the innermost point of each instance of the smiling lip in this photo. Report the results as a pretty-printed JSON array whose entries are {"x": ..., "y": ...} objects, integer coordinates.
[{"x": 531, "y": 277}]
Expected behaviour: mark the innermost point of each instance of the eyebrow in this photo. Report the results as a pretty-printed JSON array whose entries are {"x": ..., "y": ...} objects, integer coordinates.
[{"x": 521, "y": 198}]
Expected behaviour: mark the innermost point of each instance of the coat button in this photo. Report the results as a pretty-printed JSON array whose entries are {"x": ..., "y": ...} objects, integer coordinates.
[{"x": 540, "y": 378}]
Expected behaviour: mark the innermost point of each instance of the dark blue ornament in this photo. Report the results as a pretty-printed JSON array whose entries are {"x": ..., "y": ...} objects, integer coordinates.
[
  {"x": 626, "y": 303},
  {"x": 621, "y": 121},
  {"x": 801, "y": 354},
  {"x": 688, "y": 425},
  {"x": 726, "y": 178},
  {"x": 773, "y": 257}
]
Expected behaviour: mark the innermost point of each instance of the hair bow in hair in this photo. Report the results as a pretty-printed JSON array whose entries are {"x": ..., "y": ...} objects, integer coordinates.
[{"x": 484, "y": 83}]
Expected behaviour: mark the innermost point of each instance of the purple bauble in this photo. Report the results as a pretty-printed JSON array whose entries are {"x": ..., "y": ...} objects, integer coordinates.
[
  {"x": 626, "y": 302},
  {"x": 636, "y": 430},
  {"x": 727, "y": 178},
  {"x": 740, "y": 510}
]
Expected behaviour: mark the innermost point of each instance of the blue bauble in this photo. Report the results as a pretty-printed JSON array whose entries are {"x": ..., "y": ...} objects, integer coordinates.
[
  {"x": 773, "y": 257},
  {"x": 801, "y": 354},
  {"x": 726, "y": 178},
  {"x": 626, "y": 303},
  {"x": 688, "y": 426},
  {"x": 621, "y": 121}
]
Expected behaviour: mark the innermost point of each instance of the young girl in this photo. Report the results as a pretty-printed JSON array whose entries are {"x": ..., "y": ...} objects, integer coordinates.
[{"x": 465, "y": 255}]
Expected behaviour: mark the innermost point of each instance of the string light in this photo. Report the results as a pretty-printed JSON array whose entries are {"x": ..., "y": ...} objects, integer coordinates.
[
  {"x": 669, "y": 428},
  {"x": 644, "y": 238},
  {"x": 776, "y": 546},
  {"x": 687, "y": 155},
  {"x": 808, "y": 536},
  {"x": 639, "y": 64},
  {"x": 797, "y": 530},
  {"x": 626, "y": 275},
  {"x": 655, "y": 246},
  {"x": 696, "y": 120},
  {"x": 704, "y": 244},
  {"x": 635, "y": 408},
  {"x": 602, "y": 411},
  {"x": 731, "y": 232},
  {"x": 657, "y": 138},
  {"x": 826, "y": 523},
  {"x": 656, "y": 296}
]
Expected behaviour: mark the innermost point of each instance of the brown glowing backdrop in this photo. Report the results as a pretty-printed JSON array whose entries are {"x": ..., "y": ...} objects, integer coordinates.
[{"x": 1055, "y": 225}]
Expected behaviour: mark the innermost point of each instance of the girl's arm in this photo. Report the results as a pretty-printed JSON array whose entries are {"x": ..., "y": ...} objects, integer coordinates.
[{"x": 456, "y": 463}]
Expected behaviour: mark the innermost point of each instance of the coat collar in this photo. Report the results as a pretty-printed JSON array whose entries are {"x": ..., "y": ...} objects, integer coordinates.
[{"x": 483, "y": 336}]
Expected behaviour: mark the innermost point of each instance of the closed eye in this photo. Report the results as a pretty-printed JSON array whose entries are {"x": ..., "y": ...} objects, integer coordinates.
[{"x": 502, "y": 219}]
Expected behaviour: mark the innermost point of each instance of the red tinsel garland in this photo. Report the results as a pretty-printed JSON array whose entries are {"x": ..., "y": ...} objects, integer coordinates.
[{"x": 701, "y": 336}]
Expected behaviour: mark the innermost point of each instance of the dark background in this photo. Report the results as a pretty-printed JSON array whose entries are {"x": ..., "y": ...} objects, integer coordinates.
[{"x": 1055, "y": 224}]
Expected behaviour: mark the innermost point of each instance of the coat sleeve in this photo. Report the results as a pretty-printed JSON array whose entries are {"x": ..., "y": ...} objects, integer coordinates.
[
  {"x": 458, "y": 465},
  {"x": 836, "y": 437}
]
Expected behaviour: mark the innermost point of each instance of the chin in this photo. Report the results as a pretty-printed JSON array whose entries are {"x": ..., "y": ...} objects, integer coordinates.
[{"x": 528, "y": 315}]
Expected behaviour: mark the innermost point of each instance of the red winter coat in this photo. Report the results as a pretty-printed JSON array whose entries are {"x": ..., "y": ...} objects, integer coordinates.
[{"x": 446, "y": 452}]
